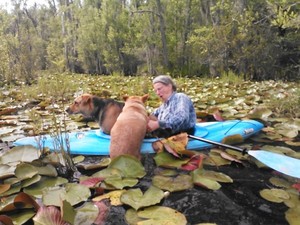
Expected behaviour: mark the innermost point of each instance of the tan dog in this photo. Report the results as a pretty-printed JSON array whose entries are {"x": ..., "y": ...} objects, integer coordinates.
[
  {"x": 105, "y": 111},
  {"x": 130, "y": 128}
]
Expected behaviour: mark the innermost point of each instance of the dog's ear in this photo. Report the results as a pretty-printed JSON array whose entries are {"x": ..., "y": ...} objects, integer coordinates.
[
  {"x": 125, "y": 97},
  {"x": 145, "y": 97}
]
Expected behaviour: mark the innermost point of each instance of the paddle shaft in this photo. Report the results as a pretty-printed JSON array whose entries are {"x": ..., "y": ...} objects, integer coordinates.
[{"x": 218, "y": 144}]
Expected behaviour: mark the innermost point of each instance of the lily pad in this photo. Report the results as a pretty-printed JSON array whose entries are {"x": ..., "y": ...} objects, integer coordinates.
[
  {"x": 274, "y": 195},
  {"x": 113, "y": 196},
  {"x": 136, "y": 199},
  {"x": 71, "y": 192},
  {"x": 172, "y": 184},
  {"x": 130, "y": 166},
  {"x": 164, "y": 159},
  {"x": 160, "y": 215},
  {"x": 26, "y": 153}
]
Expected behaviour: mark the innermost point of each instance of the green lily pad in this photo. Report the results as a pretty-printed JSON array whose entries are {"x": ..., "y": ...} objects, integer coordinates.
[
  {"x": 120, "y": 183},
  {"x": 160, "y": 215},
  {"x": 86, "y": 214},
  {"x": 274, "y": 195},
  {"x": 71, "y": 192},
  {"x": 25, "y": 171},
  {"x": 36, "y": 189},
  {"x": 172, "y": 184},
  {"x": 130, "y": 166},
  {"x": 25, "y": 153},
  {"x": 212, "y": 175},
  {"x": 164, "y": 159},
  {"x": 292, "y": 215},
  {"x": 136, "y": 199}
]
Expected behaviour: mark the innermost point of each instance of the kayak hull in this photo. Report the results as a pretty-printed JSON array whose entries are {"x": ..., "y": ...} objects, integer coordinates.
[{"x": 95, "y": 142}]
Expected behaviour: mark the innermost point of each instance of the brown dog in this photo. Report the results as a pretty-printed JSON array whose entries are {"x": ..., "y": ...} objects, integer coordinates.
[
  {"x": 130, "y": 128},
  {"x": 105, "y": 111}
]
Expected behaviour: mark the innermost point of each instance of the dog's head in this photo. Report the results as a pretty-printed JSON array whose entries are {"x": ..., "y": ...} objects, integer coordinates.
[
  {"x": 139, "y": 99},
  {"x": 82, "y": 104}
]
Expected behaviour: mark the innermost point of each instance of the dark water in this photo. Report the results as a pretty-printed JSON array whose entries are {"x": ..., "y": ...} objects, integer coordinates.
[{"x": 237, "y": 203}]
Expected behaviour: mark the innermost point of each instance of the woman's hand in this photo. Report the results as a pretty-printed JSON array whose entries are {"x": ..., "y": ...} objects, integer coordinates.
[{"x": 152, "y": 125}]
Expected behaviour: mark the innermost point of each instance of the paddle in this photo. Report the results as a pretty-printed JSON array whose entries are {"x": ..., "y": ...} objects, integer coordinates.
[{"x": 284, "y": 164}]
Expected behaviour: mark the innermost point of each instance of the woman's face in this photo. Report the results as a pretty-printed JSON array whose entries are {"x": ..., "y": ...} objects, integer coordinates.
[{"x": 163, "y": 91}]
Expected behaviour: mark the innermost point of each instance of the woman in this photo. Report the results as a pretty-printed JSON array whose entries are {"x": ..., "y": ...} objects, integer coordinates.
[{"x": 176, "y": 114}]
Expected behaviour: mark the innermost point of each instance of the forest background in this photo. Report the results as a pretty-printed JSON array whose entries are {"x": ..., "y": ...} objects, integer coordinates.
[{"x": 255, "y": 40}]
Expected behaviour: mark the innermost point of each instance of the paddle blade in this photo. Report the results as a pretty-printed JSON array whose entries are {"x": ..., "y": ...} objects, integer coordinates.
[{"x": 284, "y": 164}]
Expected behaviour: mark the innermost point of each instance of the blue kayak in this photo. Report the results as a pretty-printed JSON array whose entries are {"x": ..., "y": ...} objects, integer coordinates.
[{"x": 95, "y": 142}]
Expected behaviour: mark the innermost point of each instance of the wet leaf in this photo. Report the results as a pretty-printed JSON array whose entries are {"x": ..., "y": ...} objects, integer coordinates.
[
  {"x": 91, "y": 182},
  {"x": 72, "y": 193},
  {"x": 260, "y": 113},
  {"x": 68, "y": 212},
  {"x": 172, "y": 184},
  {"x": 91, "y": 166},
  {"x": 233, "y": 139},
  {"x": 49, "y": 216},
  {"x": 194, "y": 163},
  {"x": 6, "y": 220},
  {"x": 86, "y": 214},
  {"x": 25, "y": 170},
  {"x": 165, "y": 159},
  {"x": 274, "y": 195},
  {"x": 209, "y": 174},
  {"x": 161, "y": 215},
  {"x": 120, "y": 183},
  {"x": 293, "y": 215},
  {"x": 278, "y": 182},
  {"x": 6, "y": 171},
  {"x": 136, "y": 199},
  {"x": 130, "y": 166},
  {"x": 36, "y": 189},
  {"x": 23, "y": 216},
  {"x": 25, "y": 153},
  {"x": 4, "y": 188},
  {"x": 113, "y": 196}
]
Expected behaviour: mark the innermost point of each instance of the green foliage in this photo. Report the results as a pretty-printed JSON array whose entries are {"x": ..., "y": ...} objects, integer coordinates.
[{"x": 287, "y": 103}]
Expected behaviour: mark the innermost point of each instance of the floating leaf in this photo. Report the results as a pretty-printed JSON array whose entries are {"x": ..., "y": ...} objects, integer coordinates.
[
  {"x": 194, "y": 163},
  {"x": 278, "y": 182},
  {"x": 72, "y": 193},
  {"x": 172, "y": 184},
  {"x": 6, "y": 171},
  {"x": 130, "y": 166},
  {"x": 25, "y": 170},
  {"x": 260, "y": 113},
  {"x": 49, "y": 216},
  {"x": 91, "y": 166},
  {"x": 274, "y": 195},
  {"x": 165, "y": 159},
  {"x": 4, "y": 187},
  {"x": 68, "y": 212},
  {"x": 113, "y": 196},
  {"x": 233, "y": 139},
  {"x": 136, "y": 199},
  {"x": 25, "y": 153},
  {"x": 209, "y": 174},
  {"x": 86, "y": 214},
  {"x": 91, "y": 182},
  {"x": 6, "y": 220},
  {"x": 120, "y": 183},
  {"x": 46, "y": 182},
  {"x": 160, "y": 215},
  {"x": 293, "y": 215}
]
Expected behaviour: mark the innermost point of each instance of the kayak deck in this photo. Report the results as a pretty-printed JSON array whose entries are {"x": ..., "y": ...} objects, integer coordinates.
[{"x": 95, "y": 142}]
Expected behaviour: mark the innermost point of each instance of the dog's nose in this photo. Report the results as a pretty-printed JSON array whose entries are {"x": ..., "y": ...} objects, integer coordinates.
[{"x": 68, "y": 110}]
